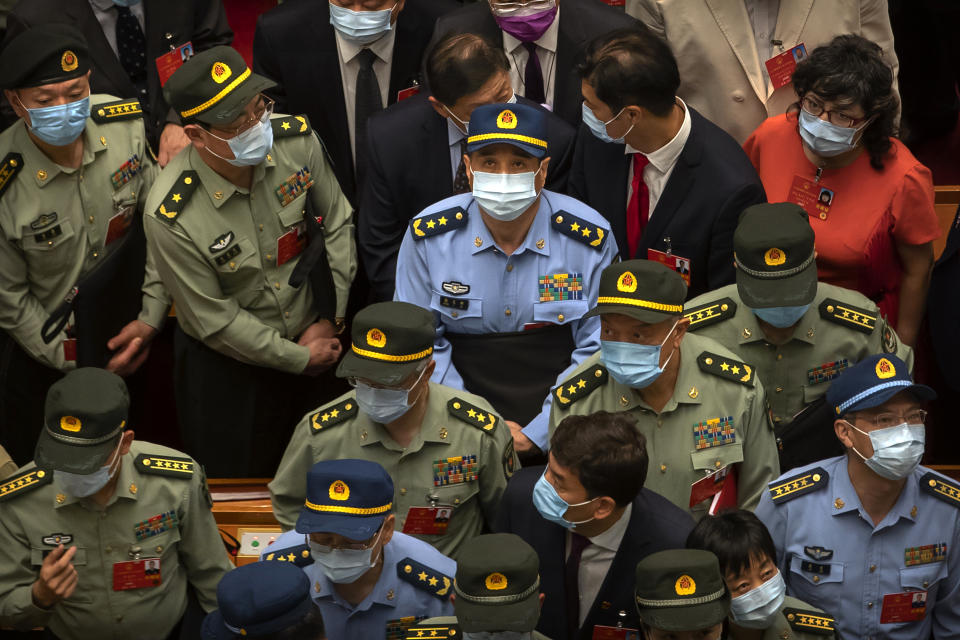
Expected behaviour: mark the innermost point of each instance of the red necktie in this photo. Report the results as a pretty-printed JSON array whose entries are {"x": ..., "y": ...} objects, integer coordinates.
[{"x": 638, "y": 209}]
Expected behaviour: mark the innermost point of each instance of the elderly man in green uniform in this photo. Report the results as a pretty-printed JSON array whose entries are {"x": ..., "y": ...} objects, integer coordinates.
[
  {"x": 101, "y": 534},
  {"x": 701, "y": 409},
  {"x": 497, "y": 593},
  {"x": 74, "y": 175},
  {"x": 449, "y": 454},
  {"x": 800, "y": 334},
  {"x": 254, "y": 240}
]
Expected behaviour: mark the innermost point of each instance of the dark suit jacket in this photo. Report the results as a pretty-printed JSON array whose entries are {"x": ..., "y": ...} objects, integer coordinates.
[
  {"x": 656, "y": 524},
  {"x": 943, "y": 306},
  {"x": 711, "y": 184},
  {"x": 410, "y": 170},
  {"x": 580, "y": 22},
  {"x": 166, "y": 23},
  {"x": 295, "y": 46}
]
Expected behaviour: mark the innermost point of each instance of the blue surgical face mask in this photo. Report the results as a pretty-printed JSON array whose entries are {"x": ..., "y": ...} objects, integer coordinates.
[
  {"x": 552, "y": 507},
  {"x": 343, "y": 566},
  {"x": 757, "y": 608},
  {"x": 83, "y": 485},
  {"x": 60, "y": 124},
  {"x": 896, "y": 450},
  {"x": 126, "y": 3},
  {"x": 635, "y": 365},
  {"x": 385, "y": 405},
  {"x": 825, "y": 138},
  {"x": 781, "y": 317},
  {"x": 505, "y": 196},
  {"x": 251, "y": 147},
  {"x": 361, "y": 27},
  {"x": 599, "y": 128}
]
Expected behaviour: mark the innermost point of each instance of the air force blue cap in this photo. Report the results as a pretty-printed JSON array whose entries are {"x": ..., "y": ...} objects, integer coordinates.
[
  {"x": 259, "y": 599},
  {"x": 871, "y": 382},
  {"x": 521, "y": 125},
  {"x": 347, "y": 497}
]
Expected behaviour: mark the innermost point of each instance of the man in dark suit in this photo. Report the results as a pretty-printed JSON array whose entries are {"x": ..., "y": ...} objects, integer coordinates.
[
  {"x": 591, "y": 521},
  {"x": 415, "y": 148},
  {"x": 297, "y": 47},
  {"x": 543, "y": 47},
  {"x": 671, "y": 183},
  {"x": 152, "y": 28}
]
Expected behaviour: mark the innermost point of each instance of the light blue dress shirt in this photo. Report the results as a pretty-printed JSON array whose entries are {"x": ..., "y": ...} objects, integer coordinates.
[{"x": 832, "y": 556}]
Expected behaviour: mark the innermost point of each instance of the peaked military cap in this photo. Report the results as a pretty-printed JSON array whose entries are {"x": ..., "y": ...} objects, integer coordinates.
[
  {"x": 773, "y": 250},
  {"x": 213, "y": 86},
  {"x": 871, "y": 382},
  {"x": 389, "y": 340},
  {"x": 85, "y": 411},
  {"x": 498, "y": 584},
  {"x": 642, "y": 289},
  {"x": 681, "y": 590},
  {"x": 44, "y": 54},
  {"x": 258, "y": 599},
  {"x": 520, "y": 125},
  {"x": 347, "y": 497}
]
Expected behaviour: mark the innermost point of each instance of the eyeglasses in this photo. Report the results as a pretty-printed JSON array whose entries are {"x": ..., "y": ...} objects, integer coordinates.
[
  {"x": 354, "y": 381},
  {"x": 887, "y": 420},
  {"x": 349, "y": 546},
  {"x": 265, "y": 108},
  {"x": 816, "y": 109},
  {"x": 507, "y": 8}
]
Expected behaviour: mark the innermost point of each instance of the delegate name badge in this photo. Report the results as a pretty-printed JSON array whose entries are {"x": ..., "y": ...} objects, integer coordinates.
[
  {"x": 780, "y": 68},
  {"x": 291, "y": 244},
  {"x": 909, "y": 606},
  {"x": 432, "y": 521},
  {"x": 601, "y": 632},
  {"x": 173, "y": 60},
  {"x": 136, "y": 574},
  {"x": 678, "y": 263},
  {"x": 119, "y": 224},
  {"x": 813, "y": 196}
]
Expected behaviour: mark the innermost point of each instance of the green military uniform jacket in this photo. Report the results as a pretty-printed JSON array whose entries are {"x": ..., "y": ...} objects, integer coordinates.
[
  {"x": 162, "y": 515},
  {"x": 840, "y": 328},
  {"x": 340, "y": 430},
  {"x": 55, "y": 221},
  {"x": 797, "y": 620},
  {"x": 452, "y": 620},
  {"x": 226, "y": 253},
  {"x": 7, "y": 466},
  {"x": 712, "y": 420}
]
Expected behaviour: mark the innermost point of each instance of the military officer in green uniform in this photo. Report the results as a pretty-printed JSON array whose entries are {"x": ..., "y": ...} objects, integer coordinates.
[
  {"x": 74, "y": 174},
  {"x": 449, "y": 454},
  {"x": 498, "y": 593},
  {"x": 700, "y": 407},
  {"x": 259, "y": 294},
  {"x": 800, "y": 334},
  {"x": 100, "y": 534}
]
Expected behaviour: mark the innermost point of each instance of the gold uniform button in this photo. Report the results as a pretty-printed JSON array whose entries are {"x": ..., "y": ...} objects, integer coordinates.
[
  {"x": 108, "y": 549},
  {"x": 159, "y": 548},
  {"x": 269, "y": 256},
  {"x": 816, "y": 579},
  {"x": 233, "y": 265},
  {"x": 454, "y": 314},
  {"x": 286, "y": 314},
  {"x": 261, "y": 227},
  {"x": 456, "y": 501},
  {"x": 663, "y": 468},
  {"x": 718, "y": 464},
  {"x": 507, "y": 311},
  {"x": 403, "y": 492},
  {"x": 560, "y": 317},
  {"x": 96, "y": 254},
  {"x": 276, "y": 285},
  {"x": 218, "y": 195},
  {"x": 90, "y": 218},
  {"x": 779, "y": 389},
  {"x": 509, "y": 268},
  {"x": 869, "y": 605},
  {"x": 41, "y": 174},
  {"x": 779, "y": 356}
]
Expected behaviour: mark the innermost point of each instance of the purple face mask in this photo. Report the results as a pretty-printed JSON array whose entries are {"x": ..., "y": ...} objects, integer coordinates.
[{"x": 528, "y": 28}]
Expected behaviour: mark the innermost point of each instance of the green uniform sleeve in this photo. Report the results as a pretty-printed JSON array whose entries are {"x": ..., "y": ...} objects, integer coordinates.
[
  {"x": 288, "y": 487},
  {"x": 201, "y": 550},
  {"x": 156, "y": 298},
  {"x": 884, "y": 339},
  {"x": 218, "y": 319},
  {"x": 338, "y": 223},
  {"x": 17, "y": 576},
  {"x": 761, "y": 464},
  {"x": 497, "y": 450}
]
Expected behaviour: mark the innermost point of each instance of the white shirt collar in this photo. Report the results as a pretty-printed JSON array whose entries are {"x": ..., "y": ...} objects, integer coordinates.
[
  {"x": 383, "y": 48},
  {"x": 666, "y": 156},
  {"x": 102, "y": 5},
  {"x": 548, "y": 40},
  {"x": 454, "y": 135},
  {"x": 611, "y": 538}
]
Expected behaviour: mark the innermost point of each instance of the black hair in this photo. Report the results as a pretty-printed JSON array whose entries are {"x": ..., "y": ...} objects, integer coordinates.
[
  {"x": 736, "y": 537},
  {"x": 606, "y": 451},
  {"x": 309, "y": 628},
  {"x": 850, "y": 70},
  {"x": 460, "y": 64},
  {"x": 632, "y": 67}
]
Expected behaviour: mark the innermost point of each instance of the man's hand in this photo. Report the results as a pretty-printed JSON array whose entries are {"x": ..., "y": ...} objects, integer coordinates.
[
  {"x": 172, "y": 141},
  {"x": 521, "y": 443},
  {"x": 320, "y": 329},
  {"x": 131, "y": 347},
  {"x": 324, "y": 353},
  {"x": 57, "y": 580}
]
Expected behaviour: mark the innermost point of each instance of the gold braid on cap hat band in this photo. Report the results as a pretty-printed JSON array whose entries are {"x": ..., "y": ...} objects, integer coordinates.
[
  {"x": 681, "y": 602},
  {"x": 217, "y": 98},
  {"x": 355, "y": 511},
  {"x": 507, "y": 136},
  {"x": 516, "y": 597},
  {"x": 774, "y": 275},
  {"x": 656, "y": 306},
  {"x": 390, "y": 358}
]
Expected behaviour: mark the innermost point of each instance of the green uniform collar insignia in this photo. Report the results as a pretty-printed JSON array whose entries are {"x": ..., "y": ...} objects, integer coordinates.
[
  {"x": 726, "y": 368},
  {"x": 290, "y": 126},
  {"x": 172, "y": 205},
  {"x": 332, "y": 415},
  {"x": 580, "y": 386},
  {"x": 810, "y": 621},
  {"x": 710, "y": 313},
  {"x": 848, "y": 315},
  {"x": 114, "y": 111},
  {"x": 164, "y": 466},
  {"x": 12, "y": 164},
  {"x": 473, "y": 415},
  {"x": 25, "y": 482},
  {"x": 787, "y": 489}
]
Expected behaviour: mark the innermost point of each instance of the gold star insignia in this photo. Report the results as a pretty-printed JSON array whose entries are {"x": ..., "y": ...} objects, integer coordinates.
[
  {"x": 285, "y": 125},
  {"x": 574, "y": 227},
  {"x": 433, "y": 582},
  {"x": 334, "y": 413},
  {"x": 586, "y": 232},
  {"x": 423, "y": 576},
  {"x": 572, "y": 389},
  {"x": 325, "y": 417},
  {"x": 291, "y": 557},
  {"x": 581, "y": 383},
  {"x": 735, "y": 370},
  {"x": 431, "y": 224},
  {"x": 176, "y": 197},
  {"x": 725, "y": 366},
  {"x": 442, "y": 220},
  {"x": 471, "y": 413}
]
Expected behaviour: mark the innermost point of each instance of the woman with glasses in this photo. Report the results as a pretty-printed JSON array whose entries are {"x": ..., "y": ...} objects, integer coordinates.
[{"x": 875, "y": 229}]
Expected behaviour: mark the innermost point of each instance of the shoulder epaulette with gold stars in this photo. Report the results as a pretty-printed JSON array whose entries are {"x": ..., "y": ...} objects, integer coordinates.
[
  {"x": 423, "y": 577},
  {"x": 298, "y": 555},
  {"x": 579, "y": 229},
  {"x": 848, "y": 315},
  {"x": 12, "y": 164},
  {"x": 164, "y": 466},
  {"x": 789, "y": 488},
  {"x": 726, "y": 368},
  {"x": 810, "y": 621},
  {"x": 25, "y": 482},
  {"x": 423, "y": 631},
  {"x": 710, "y": 313},
  {"x": 472, "y": 414},
  {"x": 290, "y": 126},
  {"x": 437, "y": 223},
  {"x": 938, "y": 487},
  {"x": 177, "y": 197},
  {"x": 580, "y": 386},
  {"x": 332, "y": 415},
  {"x": 118, "y": 110}
]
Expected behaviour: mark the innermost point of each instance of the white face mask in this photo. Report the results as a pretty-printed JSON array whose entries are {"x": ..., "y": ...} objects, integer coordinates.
[
  {"x": 386, "y": 405},
  {"x": 756, "y": 608},
  {"x": 250, "y": 147},
  {"x": 896, "y": 450},
  {"x": 80, "y": 485},
  {"x": 505, "y": 196},
  {"x": 361, "y": 27},
  {"x": 343, "y": 566}
]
